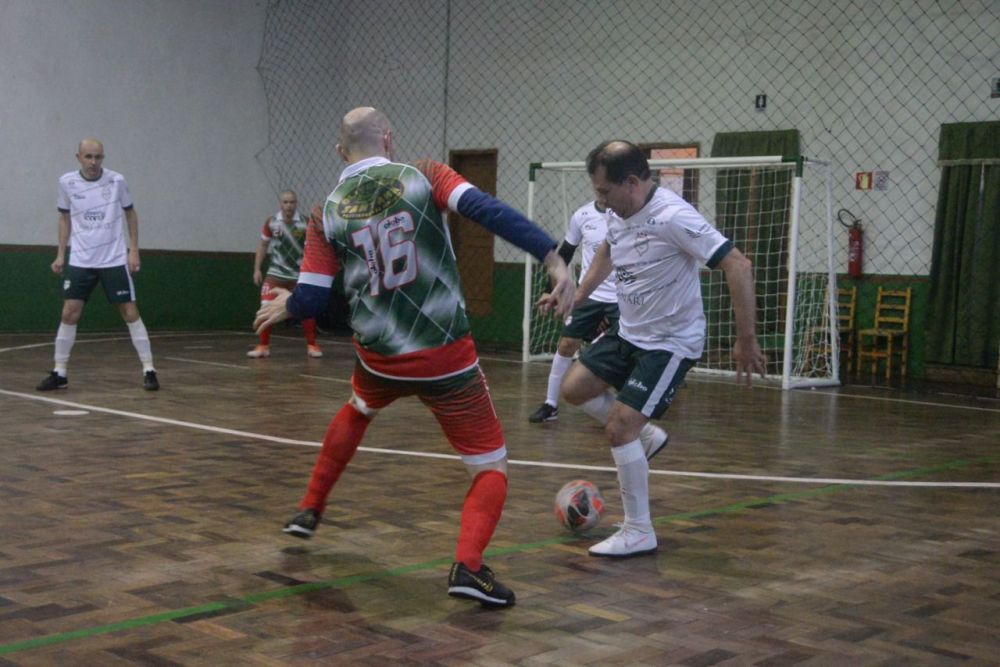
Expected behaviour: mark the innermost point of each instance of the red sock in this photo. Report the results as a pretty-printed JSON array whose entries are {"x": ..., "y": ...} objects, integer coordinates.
[
  {"x": 265, "y": 336},
  {"x": 480, "y": 515},
  {"x": 309, "y": 329},
  {"x": 341, "y": 441}
]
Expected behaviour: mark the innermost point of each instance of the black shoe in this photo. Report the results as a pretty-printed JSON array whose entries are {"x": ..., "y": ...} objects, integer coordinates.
[
  {"x": 303, "y": 524},
  {"x": 149, "y": 381},
  {"x": 52, "y": 382},
  {"x": 481, "y": 586},
  {"x": 544, "y": 413}
]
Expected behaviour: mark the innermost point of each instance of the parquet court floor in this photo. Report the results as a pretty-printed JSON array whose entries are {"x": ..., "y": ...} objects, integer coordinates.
[{"x": 830, "y": 527}]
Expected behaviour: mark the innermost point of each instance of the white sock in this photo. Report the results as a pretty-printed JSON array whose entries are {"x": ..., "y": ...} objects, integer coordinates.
[
  {"x": 560, "y": 365},
  {"x": 140, "y": 341},
  {"x": 599, "y": 406},
  {"x": 65, "y": 337},
  {"x": 633, "y": 478}
]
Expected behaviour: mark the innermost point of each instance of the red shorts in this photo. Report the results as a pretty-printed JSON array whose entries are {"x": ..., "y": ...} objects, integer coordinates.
[
  {"x": 461, "y": 404},
  {"x": 269, "y": 283}
]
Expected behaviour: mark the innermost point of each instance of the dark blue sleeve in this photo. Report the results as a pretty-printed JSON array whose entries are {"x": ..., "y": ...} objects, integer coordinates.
[
  {"x": 307, "y": 301},
  {"x": 506, "y": 222}
]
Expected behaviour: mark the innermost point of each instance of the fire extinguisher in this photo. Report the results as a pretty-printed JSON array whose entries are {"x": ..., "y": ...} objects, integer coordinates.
[{"x": 855, "y": 241}]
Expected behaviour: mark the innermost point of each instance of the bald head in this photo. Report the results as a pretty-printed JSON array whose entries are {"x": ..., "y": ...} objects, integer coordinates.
[
  {"x": 90, "y": 155},
  {"x": 365, "y": 132},
  {"x": 620, "y": 159}
]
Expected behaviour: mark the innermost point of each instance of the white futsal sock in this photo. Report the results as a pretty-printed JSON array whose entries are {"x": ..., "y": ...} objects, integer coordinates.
[
  {"x": 560, "y": 365},
  {"x": 633, "y": 478},
  {"x": 65, "y": 337},
  {"x": 599, "y": 406},
  {"x": 140, "y": 341}
]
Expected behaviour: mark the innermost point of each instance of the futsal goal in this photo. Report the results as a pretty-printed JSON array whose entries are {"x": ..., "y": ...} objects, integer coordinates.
[{"x": 778, "y": 212}]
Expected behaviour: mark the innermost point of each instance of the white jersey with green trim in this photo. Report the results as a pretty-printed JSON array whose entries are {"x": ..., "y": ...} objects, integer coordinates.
[
  {"x": 657, "y": 255},
  {"x": 97, "y": 224},
  {"x": 588, "y": 227}
]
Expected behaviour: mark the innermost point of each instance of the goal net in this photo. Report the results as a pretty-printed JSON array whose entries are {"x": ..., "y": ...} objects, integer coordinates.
[{"x": 777, "y": 212}]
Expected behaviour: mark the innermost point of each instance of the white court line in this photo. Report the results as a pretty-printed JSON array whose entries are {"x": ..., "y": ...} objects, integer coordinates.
[
  {"x": 249, "y": 367},
  {"x": 82, "y": 341},
  {"x": 537, "y": 464}
]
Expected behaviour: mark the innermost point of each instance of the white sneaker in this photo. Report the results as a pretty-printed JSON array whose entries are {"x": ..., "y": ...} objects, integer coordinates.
[
  {"x": 653, "y": 439},
  {"x": 259, "y": 352},
  {"x": 627, "y": 542}
]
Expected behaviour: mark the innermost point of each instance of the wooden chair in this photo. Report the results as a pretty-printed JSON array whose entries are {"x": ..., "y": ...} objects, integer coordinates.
[
  {"x": 847, "y": 302},
  {"x": 889, "y": 335}
]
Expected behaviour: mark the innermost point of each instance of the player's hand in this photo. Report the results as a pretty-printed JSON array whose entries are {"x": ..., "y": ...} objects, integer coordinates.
[
  {"x": 133, "y": 261},
  {"x": 57, "y": 265},
  {"x": 560, "y": 299},
  {"x": 257, "y": 277},
  {"x": 272, "y": 312},
  {"x": 749, "y": 359}
]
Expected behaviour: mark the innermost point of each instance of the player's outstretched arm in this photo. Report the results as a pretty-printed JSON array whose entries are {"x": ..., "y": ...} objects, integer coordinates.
[
  {"x": 746, "y": 350},
  {"x": 560, "y": 297},
  {"x": 272, "y": 312}
]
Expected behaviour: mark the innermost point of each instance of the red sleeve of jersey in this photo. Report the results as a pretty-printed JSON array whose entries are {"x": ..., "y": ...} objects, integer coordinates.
[
  {"x": 319, "y": 256},
  {"x": 443, "y": 180},
  {"x": 266, "y": 231}
]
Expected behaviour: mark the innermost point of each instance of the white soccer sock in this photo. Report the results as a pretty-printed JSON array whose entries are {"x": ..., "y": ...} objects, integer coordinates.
[
  {"x": 140, "y": 341},
  {"x": 560, "y": 365},
  {"x": 633, "y": 478},
  {"x": 65, "y": 337},
  {"x": 599, "y": 406}
]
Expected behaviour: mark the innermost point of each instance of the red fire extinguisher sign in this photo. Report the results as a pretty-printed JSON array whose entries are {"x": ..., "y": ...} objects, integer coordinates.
[{"x": 855, "y": 241}]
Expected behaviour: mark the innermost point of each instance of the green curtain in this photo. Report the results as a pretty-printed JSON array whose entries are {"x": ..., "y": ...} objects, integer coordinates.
[
  {"x": 752, "y": 209},
  {"x": 964, "y": 299}
]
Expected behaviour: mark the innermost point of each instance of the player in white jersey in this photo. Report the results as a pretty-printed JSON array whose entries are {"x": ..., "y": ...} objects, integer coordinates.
[
  {"x": 656, "y": 244},
  {"x": 587, "y": 227},
  {"x": 95, "y": 207}
]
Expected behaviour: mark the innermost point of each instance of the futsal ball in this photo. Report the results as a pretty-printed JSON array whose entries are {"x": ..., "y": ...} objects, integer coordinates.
[{"x": 579, "y": 505}]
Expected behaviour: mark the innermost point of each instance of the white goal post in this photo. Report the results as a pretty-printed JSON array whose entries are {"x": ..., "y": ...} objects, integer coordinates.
[{"x": 777, "y": 211}]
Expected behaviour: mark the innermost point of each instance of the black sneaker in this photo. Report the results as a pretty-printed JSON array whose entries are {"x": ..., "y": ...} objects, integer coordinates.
[
  {"x": 482, "y": 586},
  {"x": 52, "y": 382},
  {"x": 303, "y": 524},
  {"x": 149, "y": 381},
  {"x": 544, "y": 413}
]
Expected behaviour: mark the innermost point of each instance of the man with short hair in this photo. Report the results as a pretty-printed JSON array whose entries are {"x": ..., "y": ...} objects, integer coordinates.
[
  {"x": 656, "y": 245},
  {"x": 93, "y": 202},
  {"x": 382, "y": 228},
  {"x": 282, "y": 240}
]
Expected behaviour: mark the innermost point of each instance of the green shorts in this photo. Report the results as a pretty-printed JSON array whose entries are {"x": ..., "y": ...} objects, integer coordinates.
[
  {"x": 584, "y": 321},
  {"x": 79, "y": 282},
  {"x": 646, "y": 380}
]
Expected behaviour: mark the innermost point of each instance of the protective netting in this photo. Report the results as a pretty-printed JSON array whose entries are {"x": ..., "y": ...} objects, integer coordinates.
[
  {"x": 867, "y": 86},
  {"x": 782, "y": 223}
]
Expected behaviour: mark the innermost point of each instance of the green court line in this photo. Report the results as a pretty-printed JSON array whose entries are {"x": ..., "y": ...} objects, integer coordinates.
[{"x": 235, "y": 604}]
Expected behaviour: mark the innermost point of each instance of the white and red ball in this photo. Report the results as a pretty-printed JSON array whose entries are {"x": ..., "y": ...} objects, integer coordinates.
[{"x": 579, "y": 505}]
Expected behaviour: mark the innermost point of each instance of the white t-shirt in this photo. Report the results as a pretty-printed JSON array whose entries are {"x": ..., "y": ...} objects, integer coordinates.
[
  {"x": 588, "y": 227},
  {"x": 657, "y": 254},
  {"x": 97, "y": 223}
]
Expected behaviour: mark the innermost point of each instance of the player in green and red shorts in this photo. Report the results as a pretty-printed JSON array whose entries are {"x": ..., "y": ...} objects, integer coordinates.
[
  {"x": 283, "y": 241},
  {"x": 382, "y": 229}
]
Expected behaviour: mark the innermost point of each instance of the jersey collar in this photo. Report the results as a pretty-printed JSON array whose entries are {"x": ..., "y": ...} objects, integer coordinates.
[{"x": 359, "y": 166}]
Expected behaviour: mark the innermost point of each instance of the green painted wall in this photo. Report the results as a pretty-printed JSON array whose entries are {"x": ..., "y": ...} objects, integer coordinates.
[
  {"x": 183, "y": 291},
  {"x": 176, "y": 291}
]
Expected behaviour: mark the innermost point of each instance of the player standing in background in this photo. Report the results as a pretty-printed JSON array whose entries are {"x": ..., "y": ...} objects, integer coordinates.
[
  {"x": 656, "y": 244},
  {"x": 587, "y": 226},
  {"x": 382, "y": 227},
  {"x": 283, "y": 241},
  {"x": 92, "y": 203}
]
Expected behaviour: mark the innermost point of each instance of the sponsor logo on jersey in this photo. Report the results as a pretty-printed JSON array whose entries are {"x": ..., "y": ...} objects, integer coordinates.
[
  {"x": 93, "y": 216},
  {"x": 623, "y": 275},
  {"x": 78, "y": 196},
  {"x": 370, "y": 197},
  {"x": 697, "y": 233},
  {"x": 106, "y": 192}
]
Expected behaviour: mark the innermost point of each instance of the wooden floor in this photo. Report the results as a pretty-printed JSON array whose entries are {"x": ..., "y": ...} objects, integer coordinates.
[{"x": 850, "y": 527}]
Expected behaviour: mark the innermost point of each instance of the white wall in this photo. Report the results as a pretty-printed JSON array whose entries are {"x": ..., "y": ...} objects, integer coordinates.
[{"x": 171, "y": 89}]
